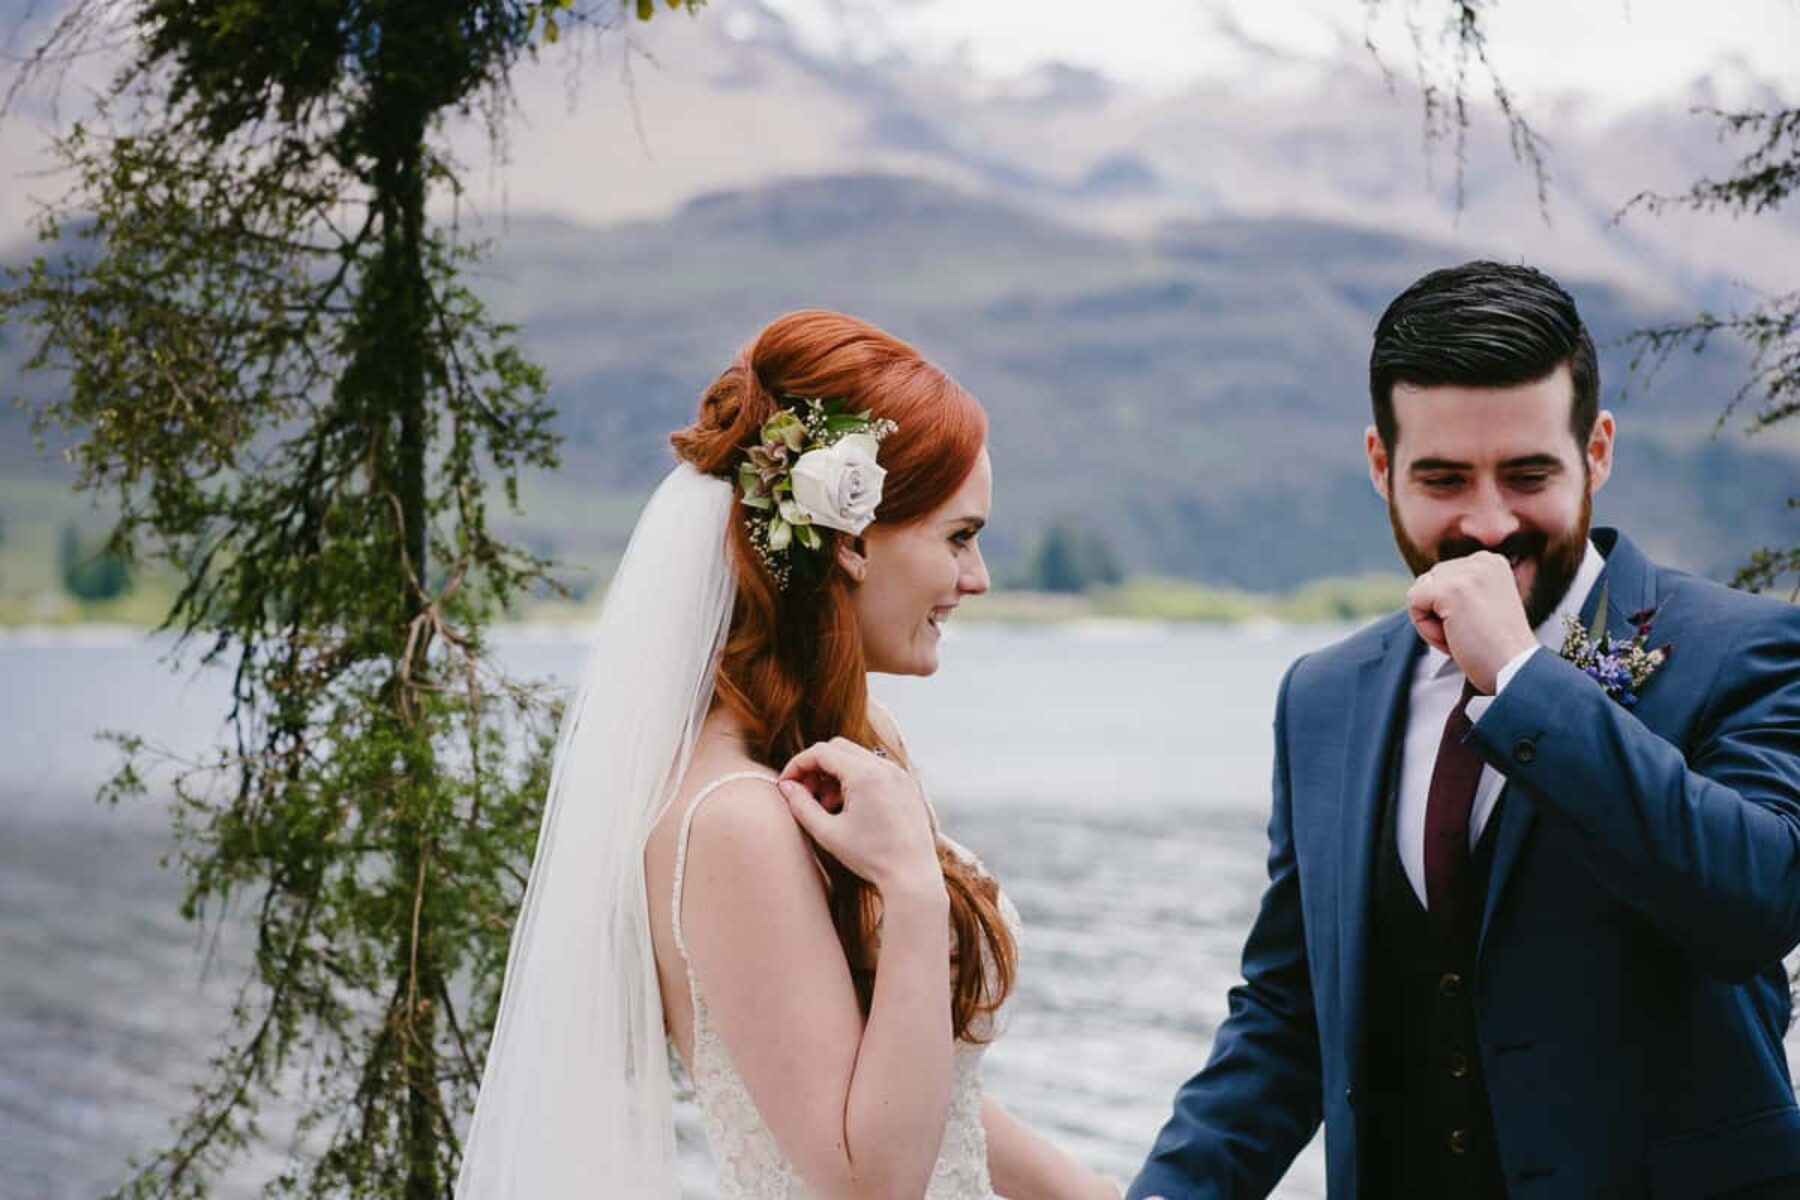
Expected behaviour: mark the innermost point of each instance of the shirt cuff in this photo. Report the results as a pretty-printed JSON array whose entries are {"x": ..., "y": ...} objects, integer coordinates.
[
  {"x": 1513, "y": 668},
  {"x": 1478, "y": 704}
]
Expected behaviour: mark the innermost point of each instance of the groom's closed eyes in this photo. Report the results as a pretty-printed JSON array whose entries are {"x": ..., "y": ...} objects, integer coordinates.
[{"x": 1524, "y": 473}]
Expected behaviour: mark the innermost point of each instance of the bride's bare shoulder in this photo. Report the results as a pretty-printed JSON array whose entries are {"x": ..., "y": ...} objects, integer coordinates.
[
  {"x": 740, "y": 811},
  {"x": 745, "y": 851}
]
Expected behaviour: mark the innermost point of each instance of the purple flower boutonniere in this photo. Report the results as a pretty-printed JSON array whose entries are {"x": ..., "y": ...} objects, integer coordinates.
[{"x": 1622, "y": 668}]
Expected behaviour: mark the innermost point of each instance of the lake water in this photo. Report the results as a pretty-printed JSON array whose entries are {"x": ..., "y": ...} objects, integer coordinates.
[{"x": 1114, "y": 777}]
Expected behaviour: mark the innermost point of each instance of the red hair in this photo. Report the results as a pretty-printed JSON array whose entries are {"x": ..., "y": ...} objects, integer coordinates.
[{"x": 792, "y": 670}]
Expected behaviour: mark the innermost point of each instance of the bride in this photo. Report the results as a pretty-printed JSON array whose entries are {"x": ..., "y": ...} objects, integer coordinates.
[{"x": 735, "y": 857}]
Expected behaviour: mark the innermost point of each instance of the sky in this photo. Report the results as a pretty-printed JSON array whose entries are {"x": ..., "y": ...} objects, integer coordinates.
[{"x": 1618, "y": 51}]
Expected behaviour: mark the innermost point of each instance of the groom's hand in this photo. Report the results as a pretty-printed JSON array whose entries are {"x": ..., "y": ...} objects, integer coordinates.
[{"x": 1470, "y": 609}]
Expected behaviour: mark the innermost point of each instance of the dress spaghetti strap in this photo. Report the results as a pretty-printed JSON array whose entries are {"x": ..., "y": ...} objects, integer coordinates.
[{"x": 681, "y": 845}]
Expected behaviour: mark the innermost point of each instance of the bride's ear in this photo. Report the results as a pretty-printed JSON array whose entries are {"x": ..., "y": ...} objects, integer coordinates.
[{"x": 853, "y": 557}]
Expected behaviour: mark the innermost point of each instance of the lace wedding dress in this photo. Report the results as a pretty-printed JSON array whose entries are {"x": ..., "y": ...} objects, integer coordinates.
[{"x": 750, "y": 1164}]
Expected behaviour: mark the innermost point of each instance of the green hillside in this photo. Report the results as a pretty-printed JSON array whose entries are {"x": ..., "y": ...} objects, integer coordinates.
[{"x": 1196, "y": 397}]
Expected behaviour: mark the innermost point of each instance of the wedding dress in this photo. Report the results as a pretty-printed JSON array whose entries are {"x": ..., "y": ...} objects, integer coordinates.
[{"x": 750, "y": 1165}]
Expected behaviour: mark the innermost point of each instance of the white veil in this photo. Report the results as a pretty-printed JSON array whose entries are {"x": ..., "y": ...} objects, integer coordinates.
[{"x": 575, "y": 1098}]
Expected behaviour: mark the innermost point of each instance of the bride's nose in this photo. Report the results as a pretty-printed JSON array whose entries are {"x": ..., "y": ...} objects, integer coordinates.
[{"x": 974, "y": 579}]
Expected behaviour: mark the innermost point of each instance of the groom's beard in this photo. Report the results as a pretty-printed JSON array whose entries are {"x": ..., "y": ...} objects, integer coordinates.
[{"x": 1557, "y": 559}]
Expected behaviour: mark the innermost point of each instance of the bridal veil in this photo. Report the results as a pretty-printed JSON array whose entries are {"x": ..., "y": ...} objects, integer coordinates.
[{"x": 575, "y": 1096}]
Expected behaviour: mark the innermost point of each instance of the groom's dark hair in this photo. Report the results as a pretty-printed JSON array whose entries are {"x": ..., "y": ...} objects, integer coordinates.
[{"x": 1483, "y": 324}]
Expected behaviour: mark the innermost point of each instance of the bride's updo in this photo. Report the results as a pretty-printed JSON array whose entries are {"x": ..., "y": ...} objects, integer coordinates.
[{"x": 792, "y": 670}]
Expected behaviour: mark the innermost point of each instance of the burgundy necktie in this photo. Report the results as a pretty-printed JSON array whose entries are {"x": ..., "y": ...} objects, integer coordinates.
[{"x": 1447, "y": 808}]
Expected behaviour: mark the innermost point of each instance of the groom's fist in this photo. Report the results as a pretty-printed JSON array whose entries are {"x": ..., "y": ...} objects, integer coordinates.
[{"x": 1470, "y": 609}]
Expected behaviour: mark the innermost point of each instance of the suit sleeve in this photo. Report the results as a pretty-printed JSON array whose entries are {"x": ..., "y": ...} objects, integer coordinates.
[
  {"x": 1706, "y": 845},
  {"x": 1238, "y": 1124}
]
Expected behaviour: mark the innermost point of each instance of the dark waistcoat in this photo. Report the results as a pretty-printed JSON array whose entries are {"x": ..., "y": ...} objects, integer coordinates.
[{"x": 1425, "y": 1125}]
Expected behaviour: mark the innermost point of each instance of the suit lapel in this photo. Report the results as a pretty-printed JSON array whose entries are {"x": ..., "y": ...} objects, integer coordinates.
[
  {"x": 1376, "y": 709},
  {"x": 1630, "y": 585},
  {"x": 1628, "y": 588},
  {"x": 1515, "y": 817}
]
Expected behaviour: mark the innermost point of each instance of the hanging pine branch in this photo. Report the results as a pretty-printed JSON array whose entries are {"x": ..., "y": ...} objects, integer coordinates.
[
  {"x": 275, "y": 371},
  {"x": 1445, "y": 62},
  {"x": 1761, "y": 182}
]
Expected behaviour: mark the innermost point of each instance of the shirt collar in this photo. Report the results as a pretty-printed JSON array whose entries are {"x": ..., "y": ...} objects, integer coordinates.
[{"x": 1549, "y": 632}]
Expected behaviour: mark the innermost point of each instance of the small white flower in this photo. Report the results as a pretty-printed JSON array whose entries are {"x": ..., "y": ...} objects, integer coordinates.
[{"x": 840, "y": 486}]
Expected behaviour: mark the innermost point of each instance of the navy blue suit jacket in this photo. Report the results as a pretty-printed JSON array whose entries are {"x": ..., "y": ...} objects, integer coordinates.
[{"x": 1646, "y": 885}]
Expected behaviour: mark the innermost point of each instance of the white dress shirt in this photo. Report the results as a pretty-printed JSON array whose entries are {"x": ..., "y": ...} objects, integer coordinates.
[{"x": 1437, "y": 684}]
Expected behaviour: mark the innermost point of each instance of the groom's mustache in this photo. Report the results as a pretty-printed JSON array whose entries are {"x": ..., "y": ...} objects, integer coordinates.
[{"x": 1522, "y": 545}]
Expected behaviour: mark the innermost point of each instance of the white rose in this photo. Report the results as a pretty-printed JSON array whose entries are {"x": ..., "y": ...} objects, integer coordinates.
[{"x": 838, "y": 487}]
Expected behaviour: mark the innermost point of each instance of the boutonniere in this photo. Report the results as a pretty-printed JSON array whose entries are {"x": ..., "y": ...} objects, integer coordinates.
[{"x": 1621, "y": 667}]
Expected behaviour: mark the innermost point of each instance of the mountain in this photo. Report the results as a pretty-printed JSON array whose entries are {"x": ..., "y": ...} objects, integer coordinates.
[
  {"x": 631, "y": 120},
  {"x": 1197, "y": 395},
  {"x": 738, "y": 98}
]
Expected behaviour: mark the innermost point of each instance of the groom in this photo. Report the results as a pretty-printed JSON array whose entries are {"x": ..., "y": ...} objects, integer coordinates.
[{"x": 1524, "y": 925}]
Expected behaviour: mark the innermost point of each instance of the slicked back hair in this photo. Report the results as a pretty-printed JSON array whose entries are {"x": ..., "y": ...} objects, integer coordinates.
[{"x": 1483, "y": 324}]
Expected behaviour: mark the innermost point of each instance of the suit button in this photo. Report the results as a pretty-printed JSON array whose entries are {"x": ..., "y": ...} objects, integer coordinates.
[
  {"x": 1350, "y": 1096},
  {"x": 1525, "y": 751},
  {"x": 1450, "y": 985},
  {"x": 1459, "y": 1065},
  {"x": 1458, "y": 1141}
]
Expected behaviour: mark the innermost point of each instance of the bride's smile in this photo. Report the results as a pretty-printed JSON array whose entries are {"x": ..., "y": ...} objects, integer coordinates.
[{"x": 913, "y": 577}]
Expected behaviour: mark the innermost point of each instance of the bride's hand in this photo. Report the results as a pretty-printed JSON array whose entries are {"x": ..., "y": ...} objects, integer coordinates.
[{"x": 867, "y": 812}]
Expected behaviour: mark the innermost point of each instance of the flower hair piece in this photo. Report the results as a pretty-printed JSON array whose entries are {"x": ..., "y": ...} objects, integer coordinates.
[{"x": 813, "y": 468}]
